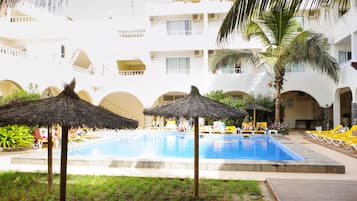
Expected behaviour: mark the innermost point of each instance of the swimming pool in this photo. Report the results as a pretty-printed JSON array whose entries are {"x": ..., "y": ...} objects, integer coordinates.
[{"x": 164, "y": 144}]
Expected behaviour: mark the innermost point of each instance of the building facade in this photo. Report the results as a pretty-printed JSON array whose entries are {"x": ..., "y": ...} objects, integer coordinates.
[{"x": 160, "y": 48}]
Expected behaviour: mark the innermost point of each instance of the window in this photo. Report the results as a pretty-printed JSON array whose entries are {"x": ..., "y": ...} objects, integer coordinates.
[
  {"x": 63, "y": 51},
  {"x": 344, "y": 56},
  {"x": 179, "y": 27},
  {"x": 178, "y": 65},
  {"x": 229, "y": 69},
  {"x": 168, "y": 98},
  {"x": 295, "y": 68}
]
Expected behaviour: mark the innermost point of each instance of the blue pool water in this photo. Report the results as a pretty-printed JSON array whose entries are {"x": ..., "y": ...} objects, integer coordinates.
[{"x": 161, "y": 144}]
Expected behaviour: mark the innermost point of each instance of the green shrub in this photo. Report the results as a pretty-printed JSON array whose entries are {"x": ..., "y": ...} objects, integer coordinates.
[
  {"x": 15, "y": 137},
  {"x": 20, "y": 96}
]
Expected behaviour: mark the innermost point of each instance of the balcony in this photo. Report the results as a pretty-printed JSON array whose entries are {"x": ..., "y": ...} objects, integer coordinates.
[
  {"x": 12, "y": 51},
  {"x": 131, "y": 67},
  {"x": 20, "y": 19},
  {"x": 132, "y": 34},
  {"x": 131, "y": 72}
]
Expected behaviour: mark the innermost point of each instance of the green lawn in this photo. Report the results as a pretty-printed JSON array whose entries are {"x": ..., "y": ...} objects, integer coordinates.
[{"x": 33, "y": 186}]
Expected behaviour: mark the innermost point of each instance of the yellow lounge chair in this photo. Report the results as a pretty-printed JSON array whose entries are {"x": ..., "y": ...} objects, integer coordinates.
[
  {"x": 319, "y": 135},
  {"x": 230, "y": 129},
  {"x": 247, "y": 127},
  {"x": 171, "y": 125},
  {"x": 345, "y": 139},
  {"x": 206, "y": 129},
  {"x": 261, "y": 127}
]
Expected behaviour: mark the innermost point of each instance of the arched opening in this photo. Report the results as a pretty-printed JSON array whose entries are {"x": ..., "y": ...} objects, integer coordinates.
[
  {"x": 238, "y": 94},
  {"x": 50, "y": 92},
  {"x": 85, "y": 96},
  {"x": 345, "y": 106},
  {"x": 8, "y": 87},
  {"x": 303, "y": 111},
  {"x": 156, "y": 121},
  {"x": 81, "y": 61},
  {"x": 124, "y": 104}
]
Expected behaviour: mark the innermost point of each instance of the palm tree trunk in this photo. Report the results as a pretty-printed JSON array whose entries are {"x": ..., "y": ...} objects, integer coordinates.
[
  {"x": 278, "y": 85},
  {"x": 277, "y": 105}
]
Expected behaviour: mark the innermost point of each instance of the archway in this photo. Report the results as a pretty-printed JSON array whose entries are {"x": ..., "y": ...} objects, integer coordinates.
[
  {"x": 8, "y": 87},
  {"x": 301, "y": 110},
  {"x": 345, "y": 95},
  {"x": 238, "y": 94},
  {"x": 85, "y": 96},
  {"x": 165, "y": 98},
  {"x": 81, "y": 60},
  {"x": 124, "y": 104}
]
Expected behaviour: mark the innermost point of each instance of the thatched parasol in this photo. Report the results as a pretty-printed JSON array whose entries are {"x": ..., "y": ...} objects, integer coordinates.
[
  {"x": 255, "y": 107},
  {"x": 194, "y": 106},
  {"x": 66, "y": 110}
]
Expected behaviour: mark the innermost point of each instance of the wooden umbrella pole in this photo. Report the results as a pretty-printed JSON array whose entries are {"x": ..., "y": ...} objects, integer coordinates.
[
  {"x": 196, "y": 158},
  {"x": 63, "y": 178},
  {"x": 49, "y": 158}
]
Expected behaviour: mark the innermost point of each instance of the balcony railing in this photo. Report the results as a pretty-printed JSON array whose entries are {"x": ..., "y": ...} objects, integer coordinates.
[
  {"x": 131, "y": 72},
  {"x": 131, "y": 34},
  {"x": 19, "y": 19},
  {"x": 12, "y": 51},
  {"x": 172, "y": 71}
]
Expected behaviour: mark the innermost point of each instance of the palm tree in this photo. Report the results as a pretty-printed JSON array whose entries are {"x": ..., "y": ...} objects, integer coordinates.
[
  {"x": 243, "y": 11},
  {"x": 286, "y": 44},
  {"x": 50, "y": 4}
]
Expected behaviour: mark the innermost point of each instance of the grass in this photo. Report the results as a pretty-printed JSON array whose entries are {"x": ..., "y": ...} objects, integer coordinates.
[{"x": 33, "y": 186}]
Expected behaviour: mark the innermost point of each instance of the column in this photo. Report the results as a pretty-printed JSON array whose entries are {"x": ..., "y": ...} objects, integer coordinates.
[
  {"x": 325, "y": 123},
  {"x": 148, "y": 121},
  {"x": 337, "y": 109},
  {"x": 354, "y": 113},
  {"x": 354, "y": 49}
]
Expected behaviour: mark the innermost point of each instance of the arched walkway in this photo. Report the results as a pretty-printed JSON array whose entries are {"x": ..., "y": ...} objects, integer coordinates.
[
  {"x": 81, "y": 60},
  {"x": 7, "y": 87},
  {"x": 84, "y": 95},
  {"x": 124, "y": 104},
  {"x": 237, "y": 94},
  {"x": 302, "y": 110},
  {"x": 165, "y": 98},
  {"x": 343, "y": 102}
]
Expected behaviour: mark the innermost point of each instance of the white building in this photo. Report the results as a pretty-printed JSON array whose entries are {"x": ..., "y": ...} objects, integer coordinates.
[{"x": 134, "y": 54}]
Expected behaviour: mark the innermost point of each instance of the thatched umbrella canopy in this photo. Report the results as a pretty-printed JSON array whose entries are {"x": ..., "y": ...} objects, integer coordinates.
[
  {"x": 66, "y": 110},
  {"x": 194, "y": 106},
  {"x": 255, "y": 107}
]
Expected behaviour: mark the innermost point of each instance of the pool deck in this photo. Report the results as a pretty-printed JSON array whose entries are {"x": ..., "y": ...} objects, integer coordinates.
[{"x": 279, "y": 182}]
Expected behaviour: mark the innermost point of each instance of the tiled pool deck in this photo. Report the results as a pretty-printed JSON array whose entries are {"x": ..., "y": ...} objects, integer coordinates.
[{"x": 314, "y": 162}]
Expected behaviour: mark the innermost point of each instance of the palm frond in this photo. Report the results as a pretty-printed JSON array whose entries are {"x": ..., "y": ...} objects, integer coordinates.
[
  {"x": 50, "y": 4},
  {"x": 311, "y": 48},
  {"x": 243, "y": 11},
  {"x": 259, "y": 30},
  {"x": 232, "y": 57}
]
